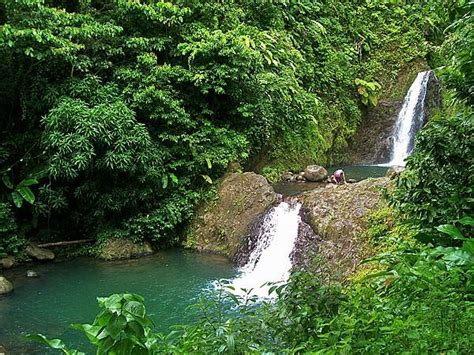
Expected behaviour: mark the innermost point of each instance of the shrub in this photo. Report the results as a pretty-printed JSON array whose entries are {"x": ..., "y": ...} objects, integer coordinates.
[
  {"x": 436, "y": 187},
  {"x": 10, "y": 240}
]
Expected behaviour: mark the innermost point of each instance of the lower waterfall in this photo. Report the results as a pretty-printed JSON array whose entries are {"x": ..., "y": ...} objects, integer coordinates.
[{"x": 270, "y": 260}]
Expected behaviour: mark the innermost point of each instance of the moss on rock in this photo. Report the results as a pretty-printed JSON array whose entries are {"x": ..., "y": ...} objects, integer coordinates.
[
  {"x": 338, "y": 216},
  {"x": 221, "y": 226},
  {"x": 116, "y": 248}
]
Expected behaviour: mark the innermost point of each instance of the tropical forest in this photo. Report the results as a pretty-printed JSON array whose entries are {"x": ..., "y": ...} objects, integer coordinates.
[{"x": 236, "y": 177}]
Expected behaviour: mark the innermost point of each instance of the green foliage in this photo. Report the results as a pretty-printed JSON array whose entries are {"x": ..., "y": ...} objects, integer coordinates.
[
  {"x": 437, "y": 186},
  {"x": 457, "y": 49},
  {"x": 121, "y": 108},
  {"x": 122, "y": 327},
  {"x": 22, "y": 191},
  {"x": 10, "y": 240},
  {"x": 369, "y": 91},
  {"x": 272, "y": 174}
]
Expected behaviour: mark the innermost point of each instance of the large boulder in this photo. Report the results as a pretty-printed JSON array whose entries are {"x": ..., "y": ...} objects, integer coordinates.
[
  {"x": 39, "y": 253},
  {"x": 7, "y": 262},
  {"x": 5, "y": 286},
  {"x": 338, "y": 216},
  {"x": 222, "y": 225},
  {"x": 117, "y": 248},
  {"x": 315, "y": 173}
]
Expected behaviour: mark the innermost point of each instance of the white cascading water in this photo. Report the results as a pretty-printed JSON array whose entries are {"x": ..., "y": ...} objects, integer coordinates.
[
  {"x": 270, "y": 260},
  {"x": 410, "y": 119}
]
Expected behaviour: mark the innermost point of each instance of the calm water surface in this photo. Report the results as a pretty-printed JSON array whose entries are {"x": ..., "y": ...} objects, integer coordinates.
[{"x": 66, "y": 293}]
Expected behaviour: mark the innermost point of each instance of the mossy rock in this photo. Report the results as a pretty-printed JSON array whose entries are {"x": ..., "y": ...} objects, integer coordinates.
[
  {"x": 221, "y": 226},
  {"x": 5, "y": 286},
  {"x": 338, "y": 216},
  {"x": 117, "y": 248}
]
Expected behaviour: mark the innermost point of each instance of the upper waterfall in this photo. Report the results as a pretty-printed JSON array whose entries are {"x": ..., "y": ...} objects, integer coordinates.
[
  {"x": 410, "y": 119},
  {"x": 270, "y": 260}
]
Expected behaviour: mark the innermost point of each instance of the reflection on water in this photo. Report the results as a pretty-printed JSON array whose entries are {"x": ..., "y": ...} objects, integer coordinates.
[{"x": 66, "y": 293}]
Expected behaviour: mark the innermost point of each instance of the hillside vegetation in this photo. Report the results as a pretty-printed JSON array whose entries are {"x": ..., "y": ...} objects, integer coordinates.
[{"x": 117, "y": 116}]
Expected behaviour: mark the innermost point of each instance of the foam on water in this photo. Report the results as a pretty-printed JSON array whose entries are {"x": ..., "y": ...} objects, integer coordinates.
[{"x": 270, "y": 260}]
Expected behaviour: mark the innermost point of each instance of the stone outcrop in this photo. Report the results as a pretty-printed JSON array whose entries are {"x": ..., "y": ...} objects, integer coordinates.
[
  {"x": 7, "y": 262},
  {"x": 5, "y": 286},
  {"x": 338, "y": 217},
  {"x": 39, "y": 253},
  {"x": 315, "y": 173},
  {"x": 116, "y": 248},
  {"x": 221, "y": 226},
  {"x": 373, "y": 138}
]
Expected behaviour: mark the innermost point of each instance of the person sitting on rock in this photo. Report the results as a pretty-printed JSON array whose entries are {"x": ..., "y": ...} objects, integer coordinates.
[{"x": 338, "y": 177}]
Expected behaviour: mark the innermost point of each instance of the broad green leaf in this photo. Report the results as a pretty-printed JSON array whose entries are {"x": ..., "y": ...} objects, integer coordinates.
[
  {"x": 451, "y": 230},
  {"x": 467, "y": 221},
  {"x": 27, "y": 194},
  {"x": 468, "y": 246},
  {"x": 6, "y": 180},
  {"x": 17, "y": 199},
  {"x": 459, "y": 257},
  {"x": 116, "y": 325},
  {"x": 53, "y": 343},
  {"x": 28, "y": 182},
  {"x": 135, "y": 308},
  {"x": 209, "y": 164}
]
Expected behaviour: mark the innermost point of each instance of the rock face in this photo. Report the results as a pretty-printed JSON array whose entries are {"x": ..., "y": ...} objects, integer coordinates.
[
  {"x": 39, "y": 253},
  {"x": 5, "y": 286},
  {"x": 222, "y": 225},
  {"x": 337, "y": 215},
  {"x": 315, "y": 173},
  {"x": 116, "y": 248},
  {"x": 7, "y": 262}
]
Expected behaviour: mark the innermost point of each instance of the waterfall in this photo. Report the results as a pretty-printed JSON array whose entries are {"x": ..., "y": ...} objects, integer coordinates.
[
  {"x": 410, "y": 119},
  {"x": 270, "y": 259}
]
